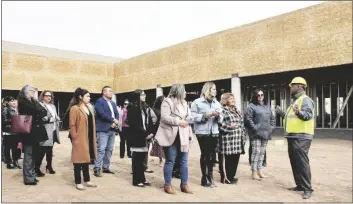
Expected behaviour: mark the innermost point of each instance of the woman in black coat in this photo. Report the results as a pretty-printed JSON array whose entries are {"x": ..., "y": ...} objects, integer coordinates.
[
  {"x": 11, "y": 140},
  {"x": 29, "y": 105},
  {"x": 141, "y": 120}
]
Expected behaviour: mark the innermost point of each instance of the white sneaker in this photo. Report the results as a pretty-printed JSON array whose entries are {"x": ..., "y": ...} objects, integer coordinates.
[
  {"x": 90, "y": 184},
  {"x": 80, "y": 187}
]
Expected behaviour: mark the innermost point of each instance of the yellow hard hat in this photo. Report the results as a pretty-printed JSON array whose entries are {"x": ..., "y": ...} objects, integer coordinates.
[{"x": 298, "y": 80}]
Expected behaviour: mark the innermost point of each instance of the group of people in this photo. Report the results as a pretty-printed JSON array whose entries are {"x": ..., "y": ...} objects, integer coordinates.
[
  {"x": 37, "y": 144},
  {"x": 170, "y": 126}
]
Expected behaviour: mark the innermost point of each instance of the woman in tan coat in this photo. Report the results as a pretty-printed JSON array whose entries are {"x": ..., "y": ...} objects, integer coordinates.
[
  {"x": 83, "y": 133},
  {"x": 175, "y": 135}
]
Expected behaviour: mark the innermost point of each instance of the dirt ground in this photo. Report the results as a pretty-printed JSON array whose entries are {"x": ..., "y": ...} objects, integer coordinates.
[{"x": 331, "y": 166}]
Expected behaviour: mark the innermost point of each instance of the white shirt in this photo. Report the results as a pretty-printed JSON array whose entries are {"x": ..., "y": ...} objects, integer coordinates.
[
  {"x": 52, "y": 112},
  {"x": 111, "y": 109}
]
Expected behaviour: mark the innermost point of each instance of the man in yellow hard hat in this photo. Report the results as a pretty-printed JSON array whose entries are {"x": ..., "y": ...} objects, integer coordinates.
[{"x": 299, "y": 130}]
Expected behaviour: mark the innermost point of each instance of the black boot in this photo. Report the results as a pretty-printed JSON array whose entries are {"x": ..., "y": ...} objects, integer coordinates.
[
  {"x": 205, "y": 181},
  {"x": 210, "y": 178},
  {"x": 9, "y": 166},
  {"x": 38, "y": 172},
  {"x": 49, "y": 169},
  {"x": 210, "y": 171},
  {"x": 16, "y": 164}
]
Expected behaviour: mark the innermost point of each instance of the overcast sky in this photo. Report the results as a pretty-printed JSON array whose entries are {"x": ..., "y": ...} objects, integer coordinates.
[{"x": 127, "y": 29}]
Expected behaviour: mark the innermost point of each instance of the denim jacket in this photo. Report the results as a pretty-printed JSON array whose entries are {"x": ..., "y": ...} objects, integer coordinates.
[{"x": 199, "y": 108}]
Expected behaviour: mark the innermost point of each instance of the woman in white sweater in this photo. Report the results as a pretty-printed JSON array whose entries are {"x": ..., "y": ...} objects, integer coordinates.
[{"x": 51, "y": 125}]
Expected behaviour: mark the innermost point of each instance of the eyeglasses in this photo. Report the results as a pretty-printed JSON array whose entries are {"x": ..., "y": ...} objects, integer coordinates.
[
  {"x": 47, "y": 95},
  {"x": 260, "y": 95}
]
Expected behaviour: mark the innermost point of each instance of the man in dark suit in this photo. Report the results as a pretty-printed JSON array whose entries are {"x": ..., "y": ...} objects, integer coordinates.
[{"x": 107, "y": 120}]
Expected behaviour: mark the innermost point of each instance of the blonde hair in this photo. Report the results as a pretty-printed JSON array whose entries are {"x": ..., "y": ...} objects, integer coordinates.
[
  {"x": 225, "y": 97},
  {"x": 206, "y": 89}
]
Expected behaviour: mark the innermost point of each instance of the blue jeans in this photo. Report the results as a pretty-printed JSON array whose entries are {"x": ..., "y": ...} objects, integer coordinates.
[
  {"x": 171, "y": 154},
  {"x": 105, "y": 146}
]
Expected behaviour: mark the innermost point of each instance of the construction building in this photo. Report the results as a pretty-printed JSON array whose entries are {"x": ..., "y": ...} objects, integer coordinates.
[{"x": 314, "y": 43}]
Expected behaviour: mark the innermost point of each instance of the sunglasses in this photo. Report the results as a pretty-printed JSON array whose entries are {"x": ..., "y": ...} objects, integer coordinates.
[{"x": 261, "y": 95}]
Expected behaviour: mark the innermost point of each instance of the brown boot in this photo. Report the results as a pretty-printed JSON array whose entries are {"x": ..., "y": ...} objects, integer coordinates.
[
  {"x": 255, "y": 176},
  {"x": 261, "y": 174},
  {"x": 168, "y": 189},
  {"x": 185, "y": 189}
]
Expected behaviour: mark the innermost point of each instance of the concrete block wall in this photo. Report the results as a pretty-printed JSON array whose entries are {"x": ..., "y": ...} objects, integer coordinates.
[
  {"x": 54, "y": 73},
  {"x": 312, "y": 37}
]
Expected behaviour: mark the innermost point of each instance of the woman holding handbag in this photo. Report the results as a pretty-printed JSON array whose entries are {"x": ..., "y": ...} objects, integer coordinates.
[
  {"x": 29, "y": 106},
  {"x": 175, "y": 135},
  {"x": 52, "y": 127}
]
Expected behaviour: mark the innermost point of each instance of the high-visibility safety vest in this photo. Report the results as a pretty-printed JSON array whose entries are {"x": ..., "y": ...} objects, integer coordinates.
[{"x": 295, "y": 125}]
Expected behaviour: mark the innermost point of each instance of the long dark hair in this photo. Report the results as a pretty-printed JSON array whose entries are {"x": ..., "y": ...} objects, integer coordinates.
[
  {"x": 76, "y": 98},
  {"x": 158, "y": 102},
  {"x": 7, "y": 100},
  {"x": 254, "y": 97},
  {"x": 135, "y": 97}
]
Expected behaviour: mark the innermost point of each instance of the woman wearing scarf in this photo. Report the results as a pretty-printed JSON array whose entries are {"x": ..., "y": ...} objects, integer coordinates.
[
  {"x": 141, "y": 119},
  {"x": 231, "y": 140},
  {"x": 205, "y": 111},
  {"x": 175, "y": 135},
  {"x": 52, "y": 128},
  {"x": 29, "y": 105},
  {"x": 260, "y": 123}
]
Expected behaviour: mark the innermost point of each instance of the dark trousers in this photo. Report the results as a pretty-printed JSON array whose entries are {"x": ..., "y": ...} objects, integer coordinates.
[
  {"x": 138, "y": 167},
  {"x": 228, "y": 164},
  {"x": 46, "y": 151},
  {"x": 78, "y": 167},
  {"x": 124, "y": 134},
  {"x": 2, "y": 148},
  {"x": 145, "y": 161},
  {"x": 298, "y": 155},
  {"x": 10, "y": 147},
  {"x": 29, "y": 174},
  {"x": 208, "y": 146},
  {"x": 214, "y": 159}
]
